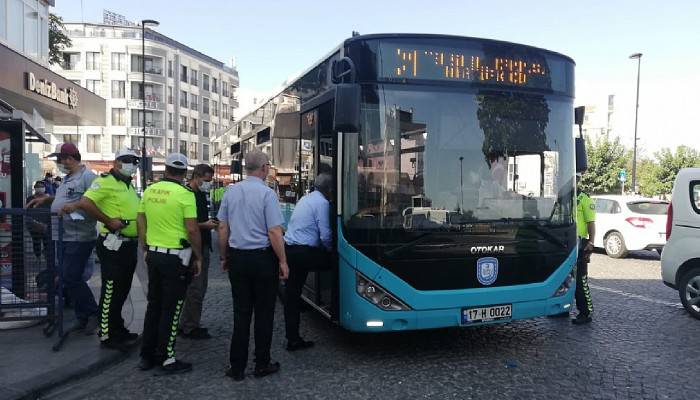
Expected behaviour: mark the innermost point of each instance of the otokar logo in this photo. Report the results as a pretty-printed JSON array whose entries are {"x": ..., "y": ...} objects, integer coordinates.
[
  {"x": 488, "y": 249},
  {"x": 486, "y": 270}
]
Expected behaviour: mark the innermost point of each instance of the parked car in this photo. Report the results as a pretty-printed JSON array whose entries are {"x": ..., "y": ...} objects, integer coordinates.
[
  {"x": 625, "y": 223},
  {"x": 680, "y": 261}
]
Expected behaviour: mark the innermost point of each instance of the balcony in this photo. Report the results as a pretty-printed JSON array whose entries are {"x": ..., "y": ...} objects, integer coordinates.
[
  {"x": 150, "y": 131},
  {"x": 152, "y": 103}
]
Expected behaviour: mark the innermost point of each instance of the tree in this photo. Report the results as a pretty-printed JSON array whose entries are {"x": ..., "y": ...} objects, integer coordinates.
[
  {"x": 57, "y": 39},
  {"x": 647, "y": 172},
  {"x": 606, "y": 158},
  {"x": 664, "y": 173}
]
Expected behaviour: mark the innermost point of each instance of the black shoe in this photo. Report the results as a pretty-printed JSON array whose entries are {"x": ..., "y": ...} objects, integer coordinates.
[
  {"x": 236, "y": 376},
  {"x": 265, "y": 370},
  {"x": 582, "y": 319},
  {"x": 115, "y": 344},
  {"x": 300, "y": 344},
  {"x": 197, "y": 334},
  {"x": 146, "y": 364},
  {"x": 177, "y": 367}
]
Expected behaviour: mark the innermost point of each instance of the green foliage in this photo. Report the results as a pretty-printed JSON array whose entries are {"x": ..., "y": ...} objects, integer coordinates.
[
  {"x": 57, "y": 38},
  {"x": 657, "y": 178},
  {"x": 606, "y": 158}
]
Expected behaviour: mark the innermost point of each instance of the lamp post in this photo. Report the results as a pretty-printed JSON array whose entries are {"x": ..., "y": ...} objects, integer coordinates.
[
  {"x": 637, "y": 56},
  {"x": 154, "y": 23},
  {"x": 461, "y": 186}
]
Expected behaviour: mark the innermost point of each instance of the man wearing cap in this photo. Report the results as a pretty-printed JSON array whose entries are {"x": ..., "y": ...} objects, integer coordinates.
[
  {"x": 78, "y": 232},
  {"x": 251, "y": 246},
  {"x": 167, "y": 225},
  {"x": 112, "y": 200}
]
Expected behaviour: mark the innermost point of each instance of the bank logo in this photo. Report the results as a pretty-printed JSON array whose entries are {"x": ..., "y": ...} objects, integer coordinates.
[{"x": 487, "y": 270}]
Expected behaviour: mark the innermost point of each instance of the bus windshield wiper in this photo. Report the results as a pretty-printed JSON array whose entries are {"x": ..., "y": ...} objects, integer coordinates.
[
  {"x": 419, "y": 239},
  {"x": 545, "y": 234}
]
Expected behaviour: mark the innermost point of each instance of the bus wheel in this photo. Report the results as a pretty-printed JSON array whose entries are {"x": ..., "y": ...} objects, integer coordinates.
[
  {"x": 689, "y": 291},
  {"x": 615, "y": 245}
]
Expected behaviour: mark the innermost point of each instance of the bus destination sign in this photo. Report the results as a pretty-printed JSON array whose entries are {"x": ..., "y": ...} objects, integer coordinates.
[{"x": 465, "y": 65}]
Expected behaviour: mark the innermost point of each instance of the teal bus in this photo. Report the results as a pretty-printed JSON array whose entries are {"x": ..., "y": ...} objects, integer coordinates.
[{"x": 454, "y": 159}]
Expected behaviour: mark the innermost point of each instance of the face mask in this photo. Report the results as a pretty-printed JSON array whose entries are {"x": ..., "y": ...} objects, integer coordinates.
[
  {"x": 205, "y": 186},
  {"x": 39, "y": 190},
  {"x": 63, "y": 169},
  {"x": 127, "y": 169}
]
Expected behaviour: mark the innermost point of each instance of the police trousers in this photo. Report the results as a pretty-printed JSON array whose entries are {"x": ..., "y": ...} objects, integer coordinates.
[
  {"x": 117, "y": 270},
  {"x": 584, "y": 304},
  {"x": 254, "y": 276},
  {"x": 167, "y": 285},
  {"x": 301, "y": 260}
]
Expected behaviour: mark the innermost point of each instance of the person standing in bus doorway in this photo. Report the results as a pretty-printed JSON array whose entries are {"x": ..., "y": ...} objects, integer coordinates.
[
  {"x": 200, "y": 184},
  {"x": 308, "y": 243},
  {"x": 585, "y": 229},
  {"x": 112, "y": 200},
  {"x": 251, "y": 246},
  {"x": 167, "y": 225}
]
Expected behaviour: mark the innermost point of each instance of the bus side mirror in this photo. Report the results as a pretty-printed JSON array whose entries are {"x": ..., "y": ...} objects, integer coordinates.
[
  {"x": 581, "y": 159},
  {"x": 579, "y": 112},
  {"x": 346, "y": 117}
]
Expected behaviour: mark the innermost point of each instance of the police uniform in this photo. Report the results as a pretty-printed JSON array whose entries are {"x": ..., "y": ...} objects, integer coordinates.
[
  {"x": 585, "y": 213},
  {"x": 115, "y": 197},
  {"x": 165, "y": 204}
]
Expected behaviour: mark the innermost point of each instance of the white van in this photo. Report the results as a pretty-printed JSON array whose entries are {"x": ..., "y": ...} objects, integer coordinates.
[{"x": 680, "y": 260}]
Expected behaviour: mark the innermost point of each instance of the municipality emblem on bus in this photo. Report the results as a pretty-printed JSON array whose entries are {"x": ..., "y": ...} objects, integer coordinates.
[{"x": 487, "y": 270}]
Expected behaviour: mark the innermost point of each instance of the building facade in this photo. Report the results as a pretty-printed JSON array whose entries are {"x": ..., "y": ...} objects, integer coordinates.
[
  {"x": 189, "y": 96},
  {"x": 24, "y": 27}
]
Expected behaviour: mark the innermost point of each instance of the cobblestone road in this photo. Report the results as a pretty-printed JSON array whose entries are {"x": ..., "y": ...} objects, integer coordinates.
[{"x": 641, "y": 345}]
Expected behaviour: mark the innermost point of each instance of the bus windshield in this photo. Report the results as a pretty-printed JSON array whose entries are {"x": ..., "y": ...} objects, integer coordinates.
[{"x": 444, "y": 159}]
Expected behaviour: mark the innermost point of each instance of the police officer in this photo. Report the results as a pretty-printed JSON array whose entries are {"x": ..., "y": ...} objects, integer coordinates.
[
  {"x": 112, "y": 200},
  {"x": 585, "y": 229},
  {"x": 200, "y": 184},
  {"x": 167, "y": 225},
  {"x": 251, "y": 248},
  {"x": 308, "y": 242}
]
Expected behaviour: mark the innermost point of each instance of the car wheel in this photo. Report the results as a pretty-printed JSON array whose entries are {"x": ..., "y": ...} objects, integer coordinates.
[
  {"x": 615, "y": 245},
  {"x": 689, "y": 291}
]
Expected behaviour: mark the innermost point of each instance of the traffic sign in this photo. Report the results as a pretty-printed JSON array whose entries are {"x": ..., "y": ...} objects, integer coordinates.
[{"x": 623, "y": 175}]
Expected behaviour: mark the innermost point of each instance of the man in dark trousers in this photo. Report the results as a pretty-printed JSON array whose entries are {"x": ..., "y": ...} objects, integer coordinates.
[
  {"x": 167, "y": 225},
  {"x": 192, "y": 312},
  {"x": 112, "y": 200},
  {"x": 251, "y": 247},
  {"x": 309, "y": 241},
  {"x": 585, "y": 229}
]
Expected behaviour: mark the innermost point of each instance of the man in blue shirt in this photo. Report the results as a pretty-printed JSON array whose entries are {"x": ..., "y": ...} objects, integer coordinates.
[
  {"x": 308, "y": 243},
  {"x": 251, "y": 245}
]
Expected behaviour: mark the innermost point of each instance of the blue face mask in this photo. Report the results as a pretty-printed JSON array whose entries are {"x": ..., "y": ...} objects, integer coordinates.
[{"x": 127, "y": 169}]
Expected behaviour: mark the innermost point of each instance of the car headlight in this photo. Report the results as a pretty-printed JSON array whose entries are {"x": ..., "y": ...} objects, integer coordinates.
[
  {"x": 564, "y": 287},
  {"x": 376, "y": 295}
]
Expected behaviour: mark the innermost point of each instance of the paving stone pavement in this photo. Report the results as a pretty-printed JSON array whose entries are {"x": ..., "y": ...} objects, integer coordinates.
[{"x": 641, "y": 345}]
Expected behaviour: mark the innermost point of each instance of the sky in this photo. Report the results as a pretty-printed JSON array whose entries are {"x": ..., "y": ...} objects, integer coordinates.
[{"x": 272, "y": 41}]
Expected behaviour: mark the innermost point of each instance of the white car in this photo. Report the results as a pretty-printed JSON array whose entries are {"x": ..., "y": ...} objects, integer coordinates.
[
  {"x": 625, "y": 223},
  {"x": 680, "y": 261}
]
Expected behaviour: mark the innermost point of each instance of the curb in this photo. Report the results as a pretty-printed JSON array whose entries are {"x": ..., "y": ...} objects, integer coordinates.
[{"x": 33, "y": 388}]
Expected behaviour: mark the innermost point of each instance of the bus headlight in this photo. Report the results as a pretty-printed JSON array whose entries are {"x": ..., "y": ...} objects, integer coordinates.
[
  {"x": 376, "y": 295},
  {"x": 564, "y": 287}
]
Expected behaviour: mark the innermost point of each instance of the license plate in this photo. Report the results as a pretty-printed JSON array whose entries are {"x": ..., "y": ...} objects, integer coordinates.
[{"x": 485, "y": 314}]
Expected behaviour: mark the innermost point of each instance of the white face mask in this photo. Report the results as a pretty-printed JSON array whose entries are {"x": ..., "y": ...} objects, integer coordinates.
[
  {"x": 39, "y": 190},
  {"x": 63, "y": 169},
  {"x": 127, "y": 169},
  {"x": 205, "y": 186}
]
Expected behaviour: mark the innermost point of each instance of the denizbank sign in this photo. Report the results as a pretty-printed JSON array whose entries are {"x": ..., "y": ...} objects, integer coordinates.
[{"x": 49, "y": 89}]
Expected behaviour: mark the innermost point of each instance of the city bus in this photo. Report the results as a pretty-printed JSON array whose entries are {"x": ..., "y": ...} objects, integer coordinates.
[{"x": 454, "y": 164}]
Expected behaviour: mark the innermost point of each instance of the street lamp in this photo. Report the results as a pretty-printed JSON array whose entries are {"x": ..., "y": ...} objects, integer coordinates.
[
  {"x": 461, "y": 185},
  {"x": 637, "y": 56},
  {"x": 153, "y": 23}
]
